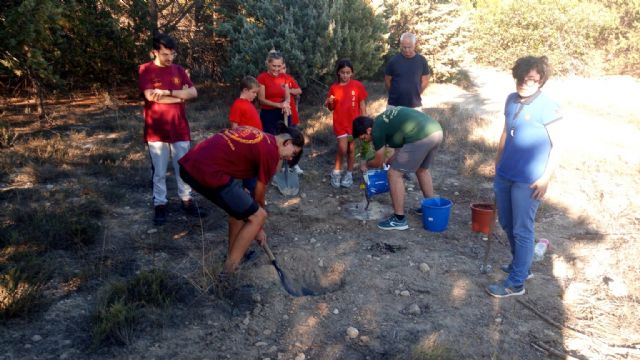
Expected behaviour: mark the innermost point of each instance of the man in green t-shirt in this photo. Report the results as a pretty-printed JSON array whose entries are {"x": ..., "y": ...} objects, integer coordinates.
[{"x": 414, "y": 136}]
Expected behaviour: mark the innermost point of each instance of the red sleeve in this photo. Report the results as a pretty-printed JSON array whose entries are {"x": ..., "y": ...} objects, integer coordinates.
[
  {"x": 144, "y": 78},
  {"x": 184, "y": 77},
  {"x": 235, "y": 113},
  {"x": 262, "y": 79},
  {"x": 362, "y": 91},
  {"x": 269, "y": 159},
  {"x": 332, "y": 90},
  {"x": 293, "y": 84}
]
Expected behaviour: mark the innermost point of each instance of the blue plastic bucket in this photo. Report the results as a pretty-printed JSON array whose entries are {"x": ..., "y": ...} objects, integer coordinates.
[
  {"x": 377, "y": 182},
  {"x": 435, "y": 213}
]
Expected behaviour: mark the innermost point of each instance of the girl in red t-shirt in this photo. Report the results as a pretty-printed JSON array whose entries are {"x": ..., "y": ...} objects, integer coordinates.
[
  {"x": 294, "y": 118},
  {"x": 273, "y": 95},
  {"x": 346, "y": 99}
]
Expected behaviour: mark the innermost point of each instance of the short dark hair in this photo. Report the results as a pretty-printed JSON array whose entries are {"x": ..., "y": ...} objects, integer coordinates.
[
  {"x": 296, "y": 138},
  {"x": 249, "y": 82},
  {"x": 341, "y": 64},
  {"x": 360, "y": 125},
  {"x": 524, "y": 65},
  {"x": 164, "y": 40}
]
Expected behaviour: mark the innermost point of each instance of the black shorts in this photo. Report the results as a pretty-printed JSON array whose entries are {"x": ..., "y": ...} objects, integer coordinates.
[{"x": 231, "y": 197}]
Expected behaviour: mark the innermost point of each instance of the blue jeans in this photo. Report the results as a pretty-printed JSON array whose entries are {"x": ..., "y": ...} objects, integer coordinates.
[{"x": 516, "y": 214}]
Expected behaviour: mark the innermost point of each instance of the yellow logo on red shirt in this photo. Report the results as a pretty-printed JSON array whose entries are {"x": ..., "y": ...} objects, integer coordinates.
[
  {"x": 176, "y": 81},
  {"x": 243, "y": 135}
]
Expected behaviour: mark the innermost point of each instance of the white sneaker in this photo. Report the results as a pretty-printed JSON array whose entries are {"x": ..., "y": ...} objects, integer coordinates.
[
  {"x": 298, "y": 170},
  {"x": 347, "y": 180},
  {"x": 335, "y": 178}
]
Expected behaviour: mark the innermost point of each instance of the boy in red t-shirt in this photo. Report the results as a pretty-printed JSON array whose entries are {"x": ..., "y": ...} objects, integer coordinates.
[
  {"x": 294, "y": 118},
  {"x": 346, "y": 99},
  {"x": 243, "y": 112},
  {"x": 213, "y": 166}
]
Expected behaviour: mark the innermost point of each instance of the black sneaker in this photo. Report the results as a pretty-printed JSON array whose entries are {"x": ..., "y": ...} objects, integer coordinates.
[
  {"x": 190, "y": 208},
  {"x": 160, "y": 215}
]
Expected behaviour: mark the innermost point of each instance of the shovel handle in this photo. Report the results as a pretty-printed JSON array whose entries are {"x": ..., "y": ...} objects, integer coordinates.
[{"x": 267, "y": 250}]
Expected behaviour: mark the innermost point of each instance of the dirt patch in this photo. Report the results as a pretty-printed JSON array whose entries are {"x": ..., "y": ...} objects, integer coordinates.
[{"x": 408, "y": 293}]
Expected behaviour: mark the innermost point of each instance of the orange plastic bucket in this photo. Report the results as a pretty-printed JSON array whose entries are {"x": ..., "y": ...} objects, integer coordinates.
[{"x": 483, "y": 217}]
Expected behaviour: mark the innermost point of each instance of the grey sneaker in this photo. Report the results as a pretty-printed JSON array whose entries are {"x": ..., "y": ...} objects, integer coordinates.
[
  {"x": 335, "y": 179},
  {"x": 507, "y": 269},
  {"x": 347, "y": 180},
  {"x": 500, "y": 291},
  {"x": 393, "y": 223}
]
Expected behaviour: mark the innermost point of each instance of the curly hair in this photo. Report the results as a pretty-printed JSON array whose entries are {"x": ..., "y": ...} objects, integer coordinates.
[{"x": 524, "y": 65}]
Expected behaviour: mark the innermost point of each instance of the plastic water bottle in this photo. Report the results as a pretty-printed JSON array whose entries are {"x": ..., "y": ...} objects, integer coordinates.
[{"x": 540, "y": 249}]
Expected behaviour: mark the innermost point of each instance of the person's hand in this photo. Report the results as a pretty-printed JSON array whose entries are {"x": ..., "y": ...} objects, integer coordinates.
[
  {"x": 156, "y": 94},
  {"x": 261, "y": 238},
  {"x": 363, "y": 167},
  {"x": 330, "y": 103},
  {"x": 286, "y": 108},
  {"x": 539, "y": 188}
]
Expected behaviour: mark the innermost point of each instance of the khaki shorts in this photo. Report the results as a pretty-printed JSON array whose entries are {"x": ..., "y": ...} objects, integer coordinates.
[{"x": 417, "y": 154}]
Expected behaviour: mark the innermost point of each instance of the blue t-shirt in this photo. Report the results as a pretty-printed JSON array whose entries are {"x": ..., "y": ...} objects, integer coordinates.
[
  {"x": 406, "y": 79},
  {"x": 527, "y": 146}
]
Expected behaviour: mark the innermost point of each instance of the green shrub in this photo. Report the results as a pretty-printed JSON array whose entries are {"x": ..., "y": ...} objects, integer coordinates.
[
  {"x": 311, "y": 34},
  {"x": 21, "y": 287},
  {"x": 122, "y": 305},
  {"x": 567, "y": 32}
]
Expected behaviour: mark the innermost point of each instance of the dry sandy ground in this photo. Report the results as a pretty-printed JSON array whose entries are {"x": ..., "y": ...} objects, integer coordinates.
[{"x": 583, "y": 300}]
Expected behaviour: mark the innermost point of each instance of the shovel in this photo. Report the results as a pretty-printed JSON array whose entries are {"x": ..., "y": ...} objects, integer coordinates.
[
  {"x": 283, "y": 277},
  {"x": 287, "y": 181}
]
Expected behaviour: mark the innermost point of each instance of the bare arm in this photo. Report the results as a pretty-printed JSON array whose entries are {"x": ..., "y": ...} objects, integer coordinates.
[
  {"x": 387, "y": 82},
  {"x": 540, "y": 186},
  {"x": 503, "y": 138},
  {"x": 424, "y": 82},
  {"x": 260, "y": 192},
  {"x": 378, "y": 159},
  {"x": 295, "y": 91},
  {"x": 363, "y": 108},
  {"x": 170, "y": 96}
]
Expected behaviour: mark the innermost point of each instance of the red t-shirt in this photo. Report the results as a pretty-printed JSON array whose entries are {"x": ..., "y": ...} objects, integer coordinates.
[
  {"x": 240, "y": 153},
  {"x": 244, "y": 113},
  {"x": 346, "y": 102},
  {"x": 293, "y": 84},
  {"x": 164, "y": 122},
  {"x": 273, "y": 88}
]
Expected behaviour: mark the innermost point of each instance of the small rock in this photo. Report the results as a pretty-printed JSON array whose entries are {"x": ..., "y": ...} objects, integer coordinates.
[
  {"x": 336, "y": 311},
  {"x": 312, "y": 240},
  {"x": 424, "y": 267},
  {"x": 267, "y": 332},
  {"x": 397, "y": 292},
  {"x": 405, "y": 293},
  {"x": 27, "y": 346},
  {"x": 321, "y": 263},
  {"x": 352, "y": 332},
  {"x": 285, "y": 317},
  {"x": 414, "y": 309},
  {"x": 339, "y": 208},
  {"x": 364, "y": 339},
  {"x": 300, "y": 356},
  {"x": 498, "y": 320},
  {"x": 261, "y": 343},
  {"x": 246, "y": 321},
  {"x": 36, "y": 338},
  {"x": 273, "y": 349},
  {"x": 152, "y": 231},
  {"x": 303, "y": 195}
]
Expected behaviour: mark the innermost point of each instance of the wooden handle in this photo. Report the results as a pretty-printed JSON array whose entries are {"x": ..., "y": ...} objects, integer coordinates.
[{"x": 267, "y": 250}]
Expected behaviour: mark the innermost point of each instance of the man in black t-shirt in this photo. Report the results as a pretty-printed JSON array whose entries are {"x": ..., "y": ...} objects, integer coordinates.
[{"x": 406, "y": 75}]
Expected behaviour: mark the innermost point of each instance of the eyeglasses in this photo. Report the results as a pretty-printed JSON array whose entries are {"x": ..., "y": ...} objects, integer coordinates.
[{"x": 528, "y": 81}]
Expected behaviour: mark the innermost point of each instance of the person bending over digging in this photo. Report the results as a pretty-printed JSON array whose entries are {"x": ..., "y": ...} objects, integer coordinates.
[
  {"x": 215, "y": 169},
  {"x": 415, "y": 136}
]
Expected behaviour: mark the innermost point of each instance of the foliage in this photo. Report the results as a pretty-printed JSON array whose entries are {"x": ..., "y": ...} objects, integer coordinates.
[
  {"x": 22, "y": 281},
  {"x": 311, "y": 34},
  {"x": 567, "y": 32},
  {"x": 122, "y": 305},
  {"x": 8, "y": 135},
  {"x": 441, "y": 32}
]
